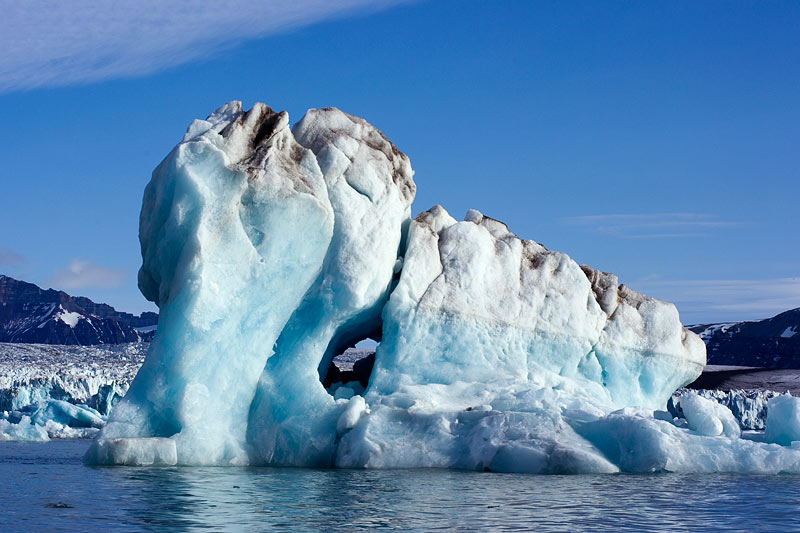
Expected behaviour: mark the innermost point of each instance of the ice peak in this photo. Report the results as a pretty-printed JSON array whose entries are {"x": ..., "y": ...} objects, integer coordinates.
[
  {"x": 328, "y": 129},
  {"x": 474, "y": 216},
  {"x": 226, "y": 113}
]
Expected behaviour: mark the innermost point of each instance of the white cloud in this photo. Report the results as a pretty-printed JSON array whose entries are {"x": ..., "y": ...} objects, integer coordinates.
[
  {"x": 52, "y": 42},
  {"x": 10, "y": 258},
  {"x": 725, "y": 300},
  {"x": 81, "y": 274},
  {"x": 648, "y": 226}
]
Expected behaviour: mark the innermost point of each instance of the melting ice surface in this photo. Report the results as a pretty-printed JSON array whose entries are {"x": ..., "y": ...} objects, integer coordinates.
[{"x": 270, "y": 250}]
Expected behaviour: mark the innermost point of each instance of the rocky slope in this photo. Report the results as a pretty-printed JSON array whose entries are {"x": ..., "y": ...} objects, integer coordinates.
[
  {"x": 30, "y": 314},
  {"x": 769, "y": 343}
]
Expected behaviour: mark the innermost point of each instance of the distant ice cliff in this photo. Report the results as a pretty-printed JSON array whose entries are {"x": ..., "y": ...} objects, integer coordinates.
[{"x": 62, "y": 391}]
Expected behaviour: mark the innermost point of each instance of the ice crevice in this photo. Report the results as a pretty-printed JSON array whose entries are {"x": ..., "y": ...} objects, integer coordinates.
[{"x": 270, "y": 250}]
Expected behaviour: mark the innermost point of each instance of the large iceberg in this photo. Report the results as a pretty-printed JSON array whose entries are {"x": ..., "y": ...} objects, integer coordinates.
[{"x": 270, "y": 250}]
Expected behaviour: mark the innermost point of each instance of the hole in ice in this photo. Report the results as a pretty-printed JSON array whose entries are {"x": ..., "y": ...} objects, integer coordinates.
[{"x": 349, "y": 372}]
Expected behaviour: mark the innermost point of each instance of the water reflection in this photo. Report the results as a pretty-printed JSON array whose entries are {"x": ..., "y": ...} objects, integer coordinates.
[
  {"x": 221, "y": 498},
  {"x": 235, "y": 499}
]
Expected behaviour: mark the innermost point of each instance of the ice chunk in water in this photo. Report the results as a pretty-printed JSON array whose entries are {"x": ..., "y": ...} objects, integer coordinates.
[
  {"x": 708, "y": 417},
  {"x": 783, "y": 420}
]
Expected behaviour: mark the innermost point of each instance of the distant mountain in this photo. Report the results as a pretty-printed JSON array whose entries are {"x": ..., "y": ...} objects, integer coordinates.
[
  {"x": 30, "y": 314},
  {"x": 770, "y": 343}
]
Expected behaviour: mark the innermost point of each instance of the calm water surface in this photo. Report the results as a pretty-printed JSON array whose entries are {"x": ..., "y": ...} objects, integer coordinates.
[{"x": 45, "y": 487}]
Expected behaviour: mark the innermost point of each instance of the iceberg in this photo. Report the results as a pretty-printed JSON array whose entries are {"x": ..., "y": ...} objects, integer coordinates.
[
  {"x": 708, "y": 417},
  {"x": 749, "y": 407},
  {"x": 50, "y": 419},
  {"x": 783, "y": 420},
  {"x": 270, "y": 250},
  {"x": 22, "y": 430}
]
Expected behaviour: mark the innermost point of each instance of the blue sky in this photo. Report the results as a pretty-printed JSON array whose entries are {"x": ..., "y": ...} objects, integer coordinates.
[{"x": 656, "y": 140}]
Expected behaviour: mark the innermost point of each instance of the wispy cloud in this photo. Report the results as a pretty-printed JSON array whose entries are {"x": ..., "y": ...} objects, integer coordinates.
[
  {"x": 10, "y": 258},
  {"x": 81, "y": 274},
  {"x": 49, "y": 42},
  {"x": 725, "y": 300},
  {"x": 650, "y": 226}
]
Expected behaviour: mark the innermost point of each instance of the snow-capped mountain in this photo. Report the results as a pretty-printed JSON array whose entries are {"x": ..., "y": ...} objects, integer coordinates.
[
  {"x": 771, "y": 343},
  {"x": 30, "y": 314}
]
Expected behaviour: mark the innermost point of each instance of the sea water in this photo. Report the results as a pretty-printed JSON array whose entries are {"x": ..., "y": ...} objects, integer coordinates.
[{"x": 46, "y": 487}]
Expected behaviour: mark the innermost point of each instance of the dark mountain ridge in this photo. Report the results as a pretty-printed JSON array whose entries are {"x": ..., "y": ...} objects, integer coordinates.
[
  {"x": 769, "y": 343},
  {"x": 30, "y": 314}
]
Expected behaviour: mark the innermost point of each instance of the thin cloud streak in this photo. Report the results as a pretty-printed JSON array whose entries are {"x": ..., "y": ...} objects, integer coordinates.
[
  {"x": 82, "y": 274},
  {"x": 669, "y": 236},
  {"x": 650, "y": 226},
  {"x": 725, "y": 300},
  {"x": 56, "y": 43}
]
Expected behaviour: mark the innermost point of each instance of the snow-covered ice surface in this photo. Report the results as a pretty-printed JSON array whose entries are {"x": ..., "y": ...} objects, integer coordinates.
[
  {"x": 62, "y": 391},
  {"x": 79, "y": 374},
  {"x": 269, "y": 251}
]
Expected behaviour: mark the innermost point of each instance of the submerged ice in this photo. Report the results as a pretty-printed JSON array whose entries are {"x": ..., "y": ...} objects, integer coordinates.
[{"x": 270, "y": 250}]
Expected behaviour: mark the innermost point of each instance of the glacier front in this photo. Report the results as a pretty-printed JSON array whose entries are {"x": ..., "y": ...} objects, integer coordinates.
[{"x": 269, "y": 250}]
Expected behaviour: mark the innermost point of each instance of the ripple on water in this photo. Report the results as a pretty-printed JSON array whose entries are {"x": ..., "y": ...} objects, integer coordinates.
[{"x": 52, "y": 490}]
